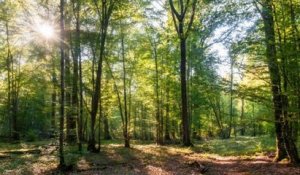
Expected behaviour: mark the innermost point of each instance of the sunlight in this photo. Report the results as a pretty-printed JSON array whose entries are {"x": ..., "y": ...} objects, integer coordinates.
[{"x": 46, "y": 30}]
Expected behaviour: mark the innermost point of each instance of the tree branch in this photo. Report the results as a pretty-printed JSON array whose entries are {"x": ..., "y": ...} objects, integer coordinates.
[
  {"x": 178, "y": 16},
  {"x": 191, "y": 19},
  {"x": 175, "y": 23},
  {"x": 186, "y": 7}
]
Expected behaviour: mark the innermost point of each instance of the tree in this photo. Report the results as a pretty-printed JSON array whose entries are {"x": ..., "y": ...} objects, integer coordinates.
[
  {"x": 62, "y": 87},
  {"x": 12, "y": 73},
  {"x": 178, "y": 19},
  {"x": 284, "y": 144},
  {"x": 126, "y": 115},
  {"x": 104, "y": 13},
  {"x": 77, "y": 104}
]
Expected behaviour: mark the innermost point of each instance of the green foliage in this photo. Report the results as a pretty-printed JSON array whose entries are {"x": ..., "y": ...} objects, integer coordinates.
[
  {"x": 31, "y": 135},
  {"x": 240, "y": 146},
  {"x": 233, "y": 24}
]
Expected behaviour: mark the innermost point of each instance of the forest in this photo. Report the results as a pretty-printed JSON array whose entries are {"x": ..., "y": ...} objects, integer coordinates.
[{"x": 154, "y": 87}]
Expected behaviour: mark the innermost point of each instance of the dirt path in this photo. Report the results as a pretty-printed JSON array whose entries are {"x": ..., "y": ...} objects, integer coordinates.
[
  {"x": 153, "y": 160},
  {"x": 161, "y": 160}
]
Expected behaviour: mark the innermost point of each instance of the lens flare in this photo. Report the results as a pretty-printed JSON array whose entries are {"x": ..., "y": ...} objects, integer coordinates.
[{"x": 46, "y": 30}]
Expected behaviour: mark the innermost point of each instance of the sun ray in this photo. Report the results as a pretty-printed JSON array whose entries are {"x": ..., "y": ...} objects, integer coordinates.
[{"x": 46, "y": 30}]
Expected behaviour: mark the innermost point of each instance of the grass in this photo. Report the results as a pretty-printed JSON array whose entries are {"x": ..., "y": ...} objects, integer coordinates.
[
  {"x": 113, "y": 153},
  {"x": 237, "y": 146},
  {"x": 4, "y": 146}
]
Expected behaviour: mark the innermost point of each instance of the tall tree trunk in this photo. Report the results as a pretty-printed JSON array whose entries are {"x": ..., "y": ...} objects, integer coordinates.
[
  {"x": 296, "y": 76},
  {"x": 76, "y": 104},
  {"x": 179, "y": 18},
  {"x": 135, "y": 117},
  {"x": 125, "y": 127},
  {"x": 53, "y": 99},
  {"x": 71, "y": 121},
  {"x": 107, "y": 135},
  {"x": 231, "y": 97},
  {"x": 104, "y": 15},
  {"x": 253, "y": 121},
  {"x": 80, "y": 122},
  {"x": 62, "y": 86},
  {"x": 14, "y": 102},
  {"x": 159, "y": 139},
  {"x": 274, "y": 76},
  {"x": 283, "y": 142},
  {"x": 287, "y": 120},
  {"x": 12, "y": 89},
  {"x": 242, "y": 122},
  {"x": 9, "y": 92},
  {"x": 184, "y": 114},
  {"x": 122, "y": 113},
  {"x": 75, "y": 76},
  {"x": 167, "y": 125}
]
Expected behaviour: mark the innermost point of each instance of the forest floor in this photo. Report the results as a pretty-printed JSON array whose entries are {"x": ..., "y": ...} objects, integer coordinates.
[{"x": 241, "y": 156}]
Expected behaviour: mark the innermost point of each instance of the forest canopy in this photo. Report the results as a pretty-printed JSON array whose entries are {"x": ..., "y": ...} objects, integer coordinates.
[{"x": 81, "y": 72}]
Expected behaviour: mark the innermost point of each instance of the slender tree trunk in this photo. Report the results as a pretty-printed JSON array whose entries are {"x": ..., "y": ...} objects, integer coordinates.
[
  {"x": 253, "y": 121},
  {"x": 77, "y": 75},
  {"x": 125, "y": 130},
  {"x": 167, "y": 127},
  {"x": 99, "y": 121},
  {"x": 74, "y": 95},
  {"x": 62, "y": 87},
  {"x": 135, "y": 117},
  {"x": 107, "y": 135},
  {"x": 231, "y": 98},
  {"x": 53, "y": 103},
  {"x": 157, "y": 99},
  {"x": 179, "y": 18},
  {"x": 80, "y": 122},
  {"x": 104, "y": 14},
  {"x": 122, "y": 113},
  {"x": 71, "y": 121},
  {"x": 12, "y": 89},
  {"x": 184, "y": 114},
  {"x": 296, "y": 76},
  {"x": 9, "y": 92},
  {"x": 14, "y": 103},
  {"x": 242, "y": 122}
]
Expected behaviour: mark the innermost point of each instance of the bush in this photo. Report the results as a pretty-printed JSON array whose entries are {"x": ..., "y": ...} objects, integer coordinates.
[{"x": 31, "y": 135}]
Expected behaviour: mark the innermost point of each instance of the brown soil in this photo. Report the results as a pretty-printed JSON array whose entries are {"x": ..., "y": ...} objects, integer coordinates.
[{"x": 158, "y": 160}]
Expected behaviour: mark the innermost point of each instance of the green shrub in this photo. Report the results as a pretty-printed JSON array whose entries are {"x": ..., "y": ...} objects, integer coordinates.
[{"x": 31, "y": 135}]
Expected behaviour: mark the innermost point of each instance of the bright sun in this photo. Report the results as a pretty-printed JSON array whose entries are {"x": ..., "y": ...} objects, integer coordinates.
[{"x": 46, "y": 30}]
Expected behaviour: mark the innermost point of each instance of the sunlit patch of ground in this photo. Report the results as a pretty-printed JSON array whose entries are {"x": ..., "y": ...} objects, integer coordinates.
[{"x": 151, "y": 159}]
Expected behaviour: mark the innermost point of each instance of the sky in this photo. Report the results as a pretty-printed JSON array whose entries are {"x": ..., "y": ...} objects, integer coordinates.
[{"x": 223, "y": 52}]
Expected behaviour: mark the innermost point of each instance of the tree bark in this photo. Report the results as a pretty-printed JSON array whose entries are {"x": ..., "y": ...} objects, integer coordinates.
[
  {"x": 104, "y": 15},
  {"x": 159, "y": 139},
  {"x": 62, "y": 86},
  {"x": 242, "y": 122},
  {"x": 107, "y": 135},
  {"x": 179, "y": 18},
  {"x": 284, "y": 144},
  {"x": 125, "y": 127},
  {"x": 167, "y": 127},
  {"x": 77, "y": 75}
]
